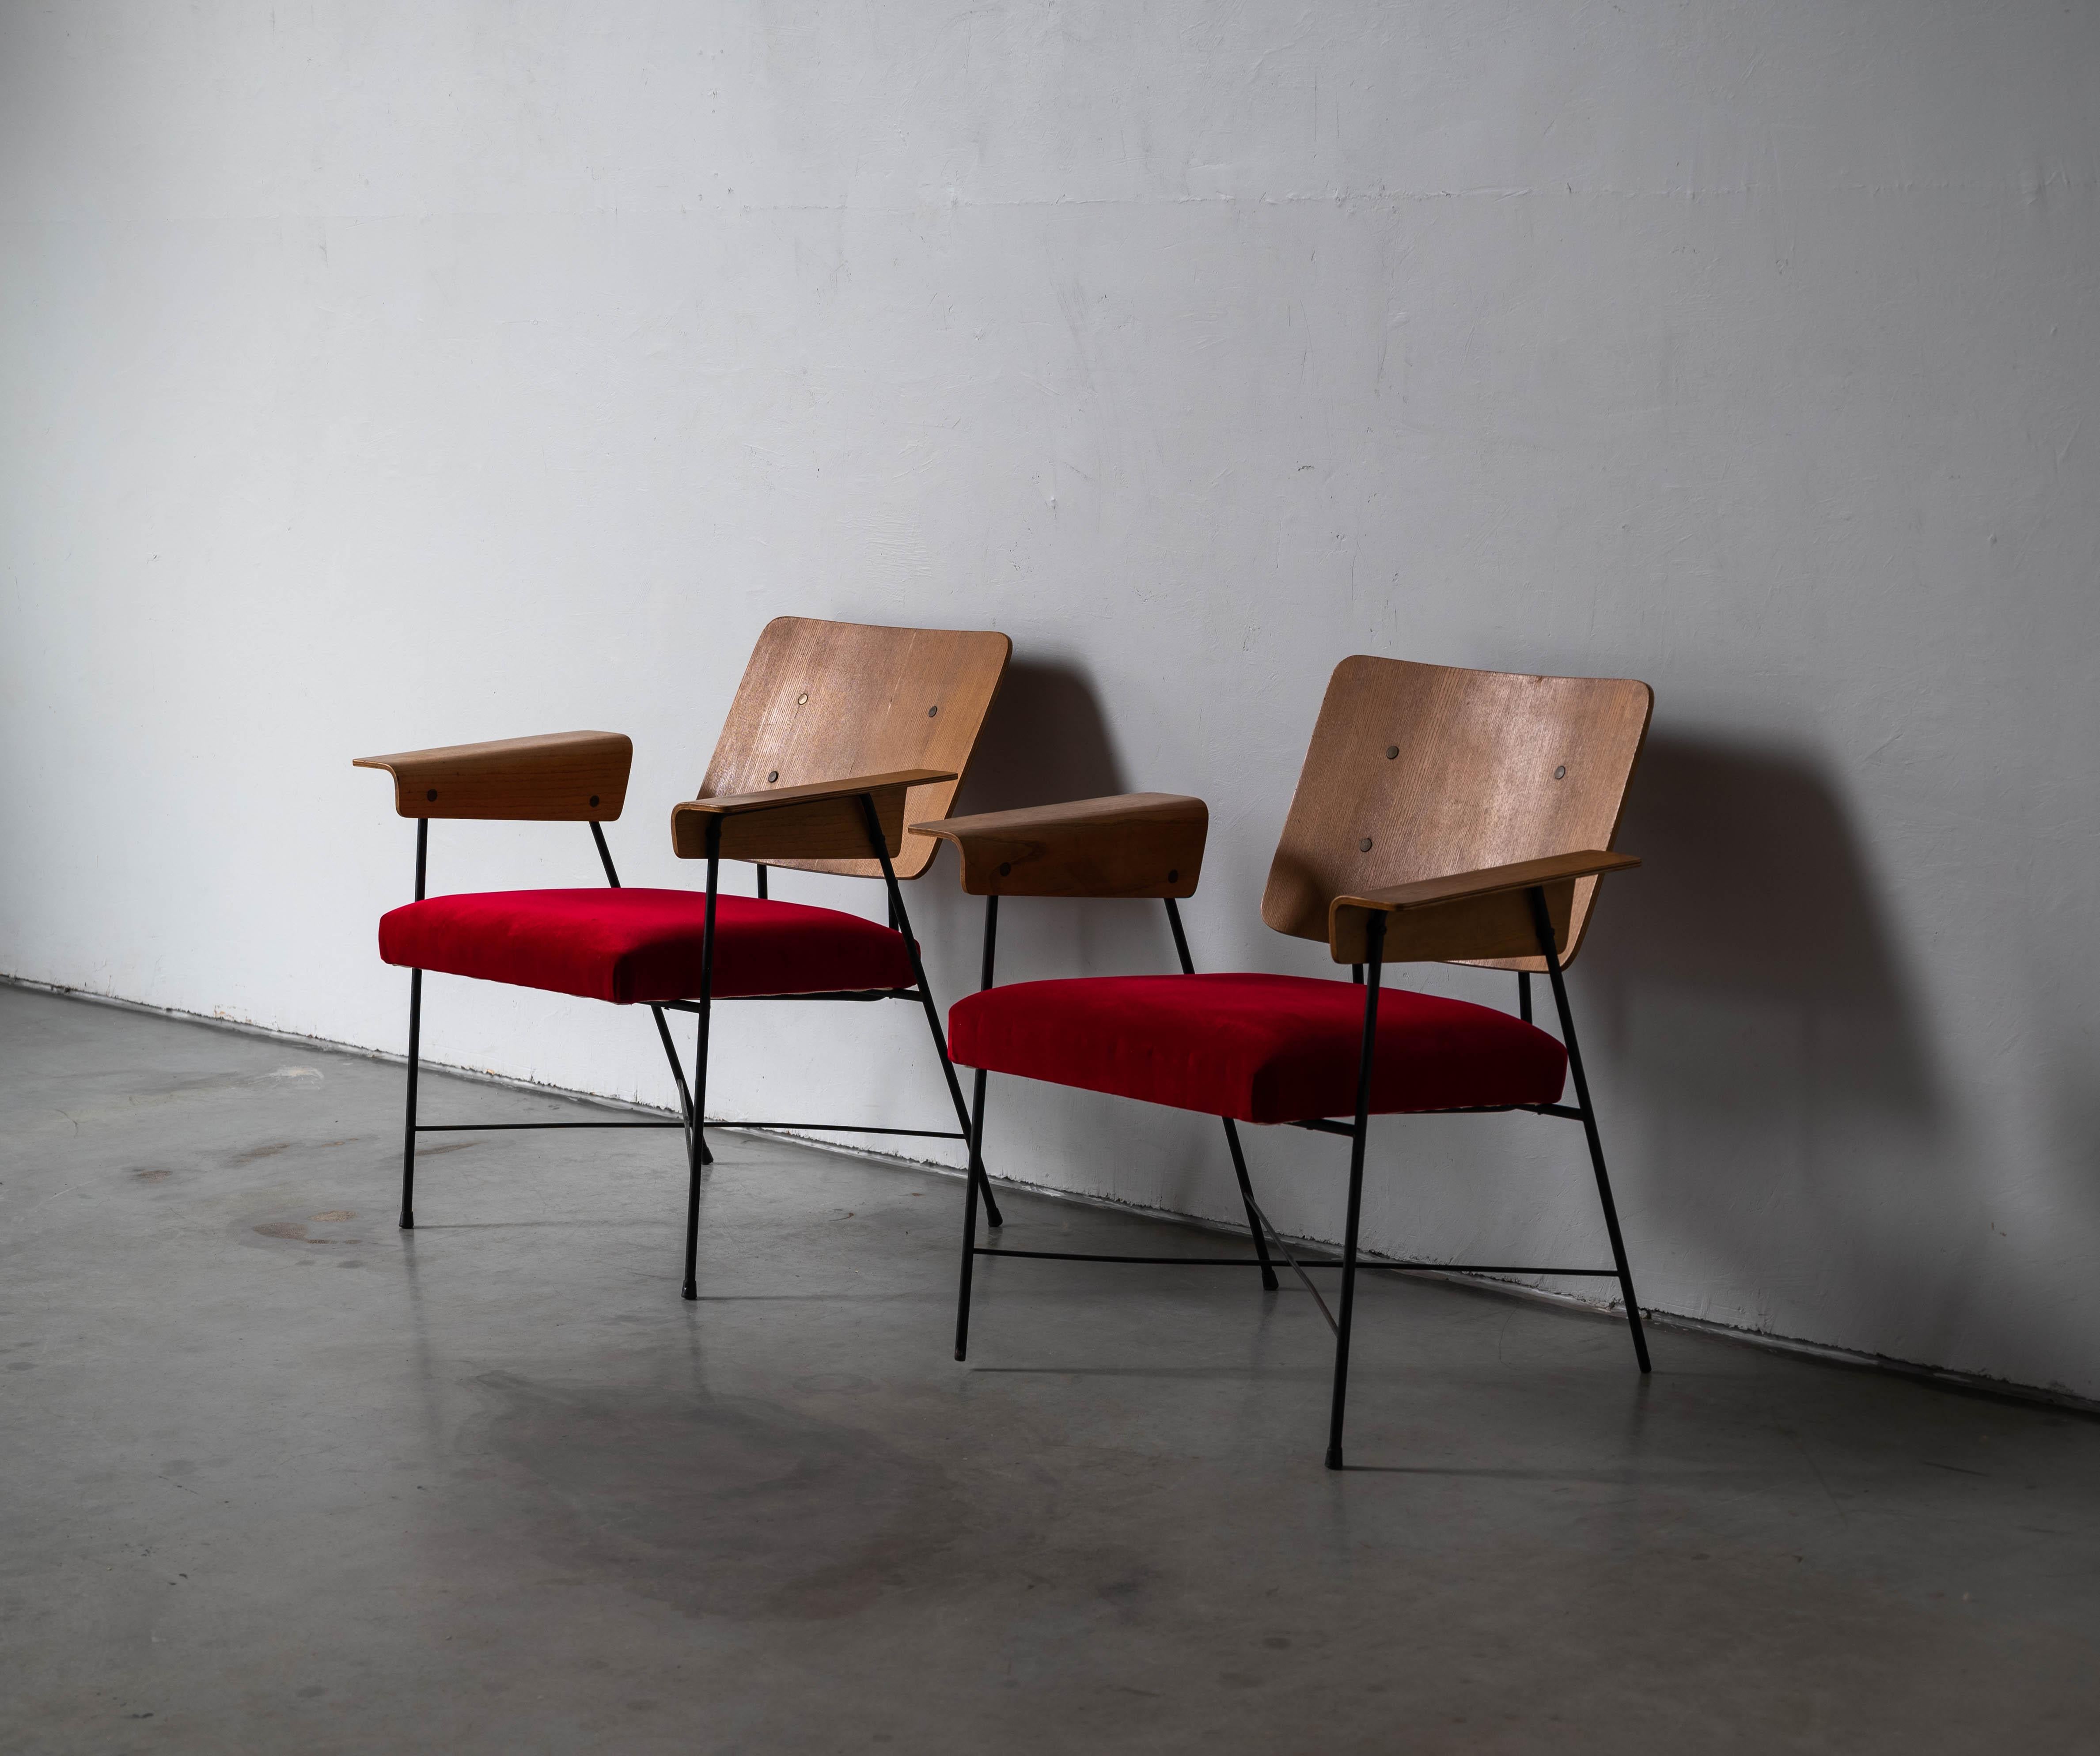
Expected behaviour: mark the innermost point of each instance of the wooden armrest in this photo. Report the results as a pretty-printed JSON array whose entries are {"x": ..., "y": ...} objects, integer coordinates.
[
  {"x": 561, "y": 777},
  {"x": 1138, "y": 844},
  {"x": 1468, "y": 915},
  {"x": 821, "y": 822}
]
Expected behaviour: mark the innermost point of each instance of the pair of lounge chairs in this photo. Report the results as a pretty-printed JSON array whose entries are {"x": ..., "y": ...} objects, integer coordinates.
[{"x": 1442, "y": 815}]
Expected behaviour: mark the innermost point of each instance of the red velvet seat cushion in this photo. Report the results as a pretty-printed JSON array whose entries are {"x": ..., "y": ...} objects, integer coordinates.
[
  {"x": 627, "y": 946},
  {"x": 1260, "y": 1048}
]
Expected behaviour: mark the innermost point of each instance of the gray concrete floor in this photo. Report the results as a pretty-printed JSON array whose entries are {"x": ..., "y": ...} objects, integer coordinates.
[{"x": 275, "y": 1475}]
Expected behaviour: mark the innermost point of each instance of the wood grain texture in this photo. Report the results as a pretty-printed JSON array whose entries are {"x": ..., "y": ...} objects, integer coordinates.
[
  {"x": 1465, "y": 917},
  {"x": 790, "y": 825},
  {"x": 820, "y": 700},
  {"x": 1134, "y": 845},
  {"x": 560, "y": 777},
  {"x": 1487, "y": 768}
]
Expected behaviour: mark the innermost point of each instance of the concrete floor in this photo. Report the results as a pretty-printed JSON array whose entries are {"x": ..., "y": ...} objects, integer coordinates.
[{"x": 275, "y": 1475}]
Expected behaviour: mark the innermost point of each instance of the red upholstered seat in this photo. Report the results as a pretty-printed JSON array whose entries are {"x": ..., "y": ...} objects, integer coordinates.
[
  {"x": 629, "y": 946},
  {"x": 1257, "y": 1048}
]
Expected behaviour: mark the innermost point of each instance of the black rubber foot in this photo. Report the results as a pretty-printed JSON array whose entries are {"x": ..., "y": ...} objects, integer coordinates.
[
  {"x": 1269, "y": 1283},
  {"x": 689, "y": 1292},
  {"x": 1334, "y": 1457},
  {"x": 408, "y": 1222},
  {"x": 962, "y": 1353}
]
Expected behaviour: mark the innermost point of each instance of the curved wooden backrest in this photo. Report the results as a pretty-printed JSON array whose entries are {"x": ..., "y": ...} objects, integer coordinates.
[
  {"x": 1441, "y": 771},
  {"x": 826, "y": 701}
]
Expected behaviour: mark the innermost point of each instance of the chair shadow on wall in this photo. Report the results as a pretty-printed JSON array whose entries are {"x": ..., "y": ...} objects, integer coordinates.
[
  {"x": 1044, "y": 741},
  {"x": 1753, "y": 994},
  {"x": 1753, "y": 894}
]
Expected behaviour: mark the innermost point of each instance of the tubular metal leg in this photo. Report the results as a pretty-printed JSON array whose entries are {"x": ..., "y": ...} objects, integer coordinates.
[
  {"x": 1268, "y": 1281},
  {"x": 415, "y": 1044},
  {"x": 1544, "y": 921},
  {"x": 901, "y": 921},
  {"x": 1376, "y": 949},
  {"x": 976, "y": 1174},
  {"x": 993, "y": 1217},
  {"x": 696, "y": 1156},
  {"x": 662, "y": 1030},
  {"x": 970, "y": 1219},
  {"x": 678, "y": 1074},
  {"x": 1231, "y": 1133},
  {"x": 978, "y": 1179},
  {"x": 986, "y": 966},
  {"x": 408, "y": 1131},
  {"x": 696, "y": 1140}
]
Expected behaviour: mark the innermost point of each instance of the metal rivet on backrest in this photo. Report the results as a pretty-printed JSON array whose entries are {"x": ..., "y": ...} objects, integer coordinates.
[
  {"x": 802, "y": 699},
  {"x": 1005, "y": 869},
  {"x": 931, "y": 712},
  {"x": 431, "y": 796},
  {"x": 1174, "y": 877},
  {"x": 1391, "y": 752},
  {"x": 773, "y": 776},
  {"x": 1363, "y": 846},
  {"x": 593, "y": 800},
  {"x": 1561, "y": 772}
]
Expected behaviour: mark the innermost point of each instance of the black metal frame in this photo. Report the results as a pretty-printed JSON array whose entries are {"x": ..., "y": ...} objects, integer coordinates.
[
  {"x": 1356, "y": 1131},
  {"x": 692, "y": 1103}
]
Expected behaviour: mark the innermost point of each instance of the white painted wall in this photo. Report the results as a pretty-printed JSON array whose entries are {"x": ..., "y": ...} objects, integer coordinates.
[{"x": 373, "y": 376}]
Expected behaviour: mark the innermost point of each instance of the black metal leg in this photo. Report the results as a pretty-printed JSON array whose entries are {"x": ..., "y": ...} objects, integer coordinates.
[
  {"x": 761, "y": 883},
  {"x": 604, "y": 856},
  {"x": 976, "y": 1176},
  {"x": 972, "y": 1182},
  {"x": 671, "y": 1055},
  {"x": 1376, "y": 949},
  {"x": 697, "y": 1147},
  {"x": 993, "y": 1217},
  {"x": 1268, "y": 1281},
  {"x": 901, "y": 921},
  {"x": 415, "y": 1044},
  {"x": 1543, "y": 920},
  {"x": 696, "y": 1156},
  {"x": 662, "y": 1030},
  {"x": 1231, "y": 1133},
  {"x": 1180, "y": 939},
  {"x": 1523, "y": 994},
  {"x": 408, "y": 1131},
  {"x": 678, "y": 1076}
]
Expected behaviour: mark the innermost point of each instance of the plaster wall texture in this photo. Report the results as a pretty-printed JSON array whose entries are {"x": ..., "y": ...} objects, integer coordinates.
[{"x": 373, "y": 376}]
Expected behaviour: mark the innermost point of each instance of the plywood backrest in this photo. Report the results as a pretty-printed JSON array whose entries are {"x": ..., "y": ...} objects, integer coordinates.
[
  {"x": 1421, "y": 770},
  {"x": 825, "y": 701}
]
